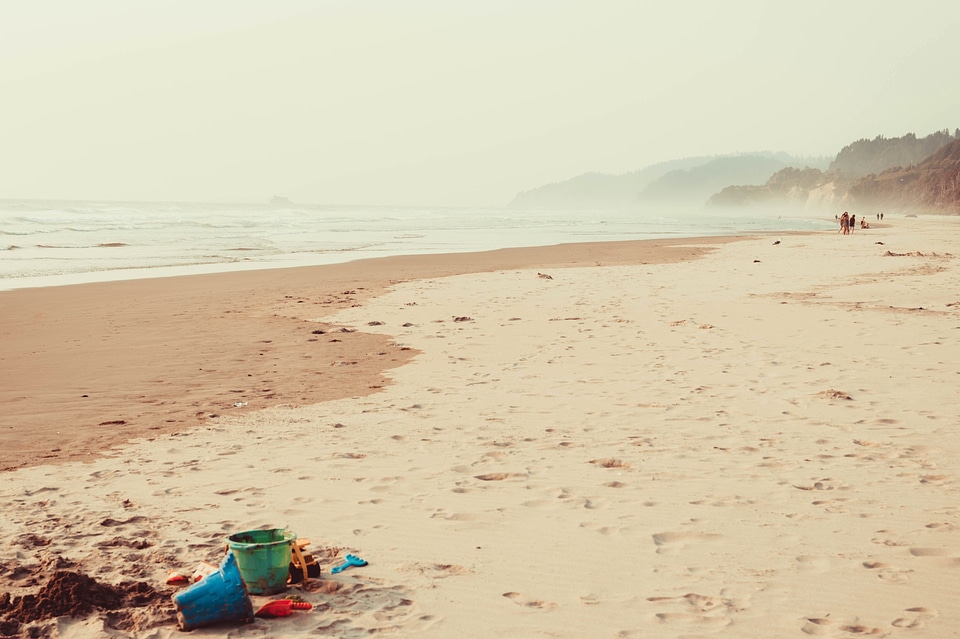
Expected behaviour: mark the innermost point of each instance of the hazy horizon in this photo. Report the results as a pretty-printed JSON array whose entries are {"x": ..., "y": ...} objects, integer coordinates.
[{"x": 430, "y": 103}]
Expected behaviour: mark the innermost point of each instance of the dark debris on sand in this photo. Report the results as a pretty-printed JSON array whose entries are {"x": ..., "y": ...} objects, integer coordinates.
[{"x": 74, "y": 594}]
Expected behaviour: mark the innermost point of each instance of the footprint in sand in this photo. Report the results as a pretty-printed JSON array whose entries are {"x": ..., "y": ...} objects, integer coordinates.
[
  {"x": 610, "y": 463},
  {"x": 603, "y": 530},
  {"x": 887, "y": 542},
  {"x": 826, "y": 483},
  {"x": 695, "y": 609},
  {"x": 691, "y": 618},
  {"x": 929, "y": 552},
  {"x": 817, "y": 626},
  {"x": 914, "y": 618},
  {"x": 672, "y": 541},
  {"x": 436, "y": 571},
  {"x": 888, "y": 573},
  {"x": 441, "y": 514},
  {"x": 45, "y": 489},
  {"x": 589, "y": 504},
  {"x": 366, "y": 610},
  {"x": 536, "y": 604},
  {"x": 498, "y": 476},
  {"x": 824, "y": 626},
  {"x": 110, "y": 522}
]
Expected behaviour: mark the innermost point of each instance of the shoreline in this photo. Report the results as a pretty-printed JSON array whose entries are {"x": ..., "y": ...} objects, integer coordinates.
[
  {"x": 90, "y": 366},
  {"x": 137, "y": 253}
]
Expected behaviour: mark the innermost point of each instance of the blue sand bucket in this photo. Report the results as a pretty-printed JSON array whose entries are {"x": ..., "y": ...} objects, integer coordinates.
[
  {"x": 264, "y": 559},
  {"x": 220, "y": 596}
]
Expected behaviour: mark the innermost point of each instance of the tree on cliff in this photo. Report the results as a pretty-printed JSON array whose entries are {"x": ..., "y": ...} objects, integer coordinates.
[{"x": 866, "y": 157}]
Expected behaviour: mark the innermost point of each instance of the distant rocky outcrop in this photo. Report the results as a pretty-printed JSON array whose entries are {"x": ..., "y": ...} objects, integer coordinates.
[
  {"x": 789, "y": 185},
  {"x": 930, "y": 184},
  {"x": 279, "y": 200},
  {"x": 933, "y": 185}
]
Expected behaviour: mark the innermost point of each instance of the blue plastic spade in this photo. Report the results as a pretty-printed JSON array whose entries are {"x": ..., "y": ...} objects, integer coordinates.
[{"x": 351, "y": 560}]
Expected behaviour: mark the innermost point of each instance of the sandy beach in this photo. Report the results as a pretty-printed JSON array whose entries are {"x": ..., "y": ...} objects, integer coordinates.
[{"x": 694, "y": 438}]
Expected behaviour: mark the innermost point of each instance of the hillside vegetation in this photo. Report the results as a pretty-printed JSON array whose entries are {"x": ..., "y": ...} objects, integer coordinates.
[
  {"x": 933, "y": 185},
  {"x": 867, "y": 157}
]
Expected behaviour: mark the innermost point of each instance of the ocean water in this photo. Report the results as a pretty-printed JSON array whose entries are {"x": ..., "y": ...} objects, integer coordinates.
[{"x": 49, "y": 243}]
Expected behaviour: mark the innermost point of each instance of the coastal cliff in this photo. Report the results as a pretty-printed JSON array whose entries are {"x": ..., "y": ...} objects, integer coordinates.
[
  {"x": 907, "y": 174},
  {"x": 930, "y": 185}
]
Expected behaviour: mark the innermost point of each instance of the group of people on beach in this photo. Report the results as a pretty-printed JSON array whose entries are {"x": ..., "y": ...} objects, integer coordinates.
[{"x": 848, "y": 222}]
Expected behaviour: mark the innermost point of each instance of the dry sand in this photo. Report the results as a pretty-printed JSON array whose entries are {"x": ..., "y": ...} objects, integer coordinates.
[{"x": 760, "y": 442}]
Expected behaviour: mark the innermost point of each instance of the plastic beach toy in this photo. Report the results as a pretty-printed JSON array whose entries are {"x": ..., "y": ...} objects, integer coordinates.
[
  {"x": 221, "y": 596},
  {"x": 351, "y": 560},
  {"x": 264, "y": 559},
  {"x": 282, "y": 608}
]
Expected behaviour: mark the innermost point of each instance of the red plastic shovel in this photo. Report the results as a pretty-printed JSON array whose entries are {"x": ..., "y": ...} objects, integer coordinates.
[{"x": 282, "y": 607}]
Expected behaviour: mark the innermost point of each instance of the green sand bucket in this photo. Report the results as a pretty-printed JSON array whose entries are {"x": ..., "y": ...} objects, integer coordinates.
[{"x": 264, "y": 559}]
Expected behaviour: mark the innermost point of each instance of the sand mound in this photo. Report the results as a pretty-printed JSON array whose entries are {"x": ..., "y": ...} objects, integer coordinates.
[{"x": 74, "y": 594}]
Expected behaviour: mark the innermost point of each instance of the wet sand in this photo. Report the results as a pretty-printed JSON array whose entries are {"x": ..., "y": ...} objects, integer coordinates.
[{"x": 86, "y": 367}]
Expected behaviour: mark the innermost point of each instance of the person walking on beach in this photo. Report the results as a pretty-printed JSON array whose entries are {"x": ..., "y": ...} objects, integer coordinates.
[
  {"x": 844, "y": 223},
  {"x": 853, "y": 222}
]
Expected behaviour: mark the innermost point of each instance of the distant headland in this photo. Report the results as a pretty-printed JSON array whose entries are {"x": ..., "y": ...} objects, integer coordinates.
[{"x": 906, "y": 174}]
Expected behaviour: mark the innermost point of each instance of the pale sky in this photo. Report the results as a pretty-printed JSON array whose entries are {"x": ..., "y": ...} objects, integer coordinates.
[{"x": 444, "y": 102}]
